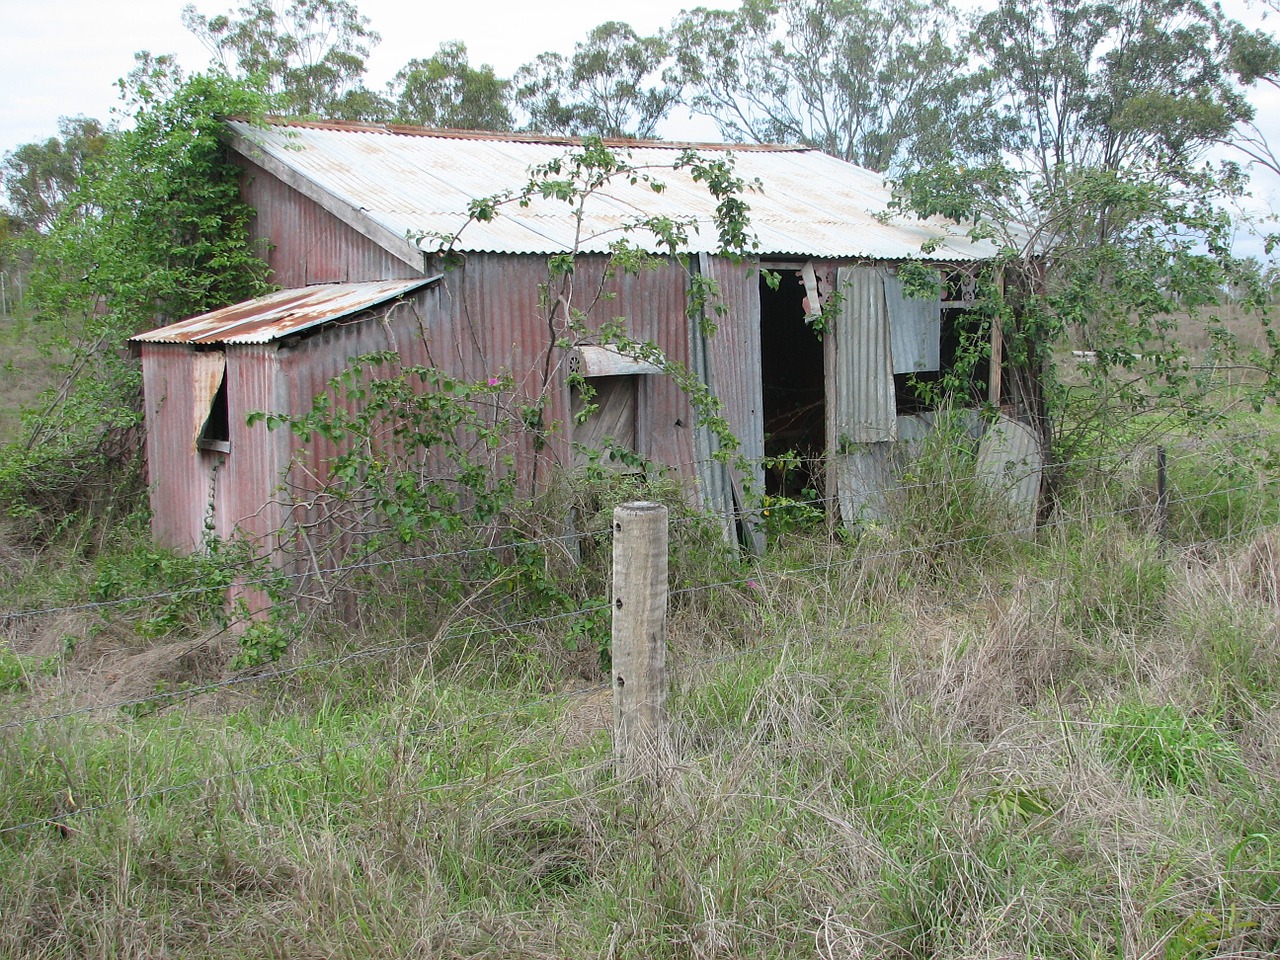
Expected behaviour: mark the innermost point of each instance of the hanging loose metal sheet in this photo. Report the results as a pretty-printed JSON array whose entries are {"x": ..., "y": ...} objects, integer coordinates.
[
  {"x": 915, "y": 329},
  {"x": 864, "y": 422}
]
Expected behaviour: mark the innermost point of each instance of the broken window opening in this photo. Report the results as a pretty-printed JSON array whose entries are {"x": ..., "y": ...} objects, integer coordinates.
[
  {"x": 215, "y": 435},
  {"x": 962, "y": 329},
  {"x": 607, "y": 435}
]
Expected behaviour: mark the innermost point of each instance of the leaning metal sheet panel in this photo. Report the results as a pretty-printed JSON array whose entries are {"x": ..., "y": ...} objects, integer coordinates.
[
  {"x": 422, "y": 183},
  {"x": 866, "y": 476},
  {"x": 915, "y": 326},
  {"x": 735, "y": 358},
  {"x": 1011, "y": 463}
]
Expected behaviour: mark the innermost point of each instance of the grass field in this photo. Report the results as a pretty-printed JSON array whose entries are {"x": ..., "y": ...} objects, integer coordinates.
[{"x": 945, "y": 740}]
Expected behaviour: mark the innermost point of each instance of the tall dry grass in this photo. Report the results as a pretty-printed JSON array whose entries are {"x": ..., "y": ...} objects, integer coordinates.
[{"x": 915, "y": 744}]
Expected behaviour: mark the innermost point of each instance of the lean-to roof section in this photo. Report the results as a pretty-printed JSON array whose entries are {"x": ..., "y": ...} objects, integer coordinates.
[
  {"x": 395, "y": 182},
  {"x": 281, "y": 314}
]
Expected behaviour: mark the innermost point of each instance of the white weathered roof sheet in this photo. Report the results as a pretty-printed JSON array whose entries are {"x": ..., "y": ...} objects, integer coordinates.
[{"x": 416, "y": 183}]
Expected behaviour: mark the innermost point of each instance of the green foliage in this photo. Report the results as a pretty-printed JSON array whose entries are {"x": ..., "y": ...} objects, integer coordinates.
[
  {"x": 155, "y": 232},
  {"x": 420, "y": 453},
  {"x": 13, "y": 672},
  {"x": 308, "y": 54},
  {"x": 40, "y": 178},
  {"x": 446, "y": 91},
  {"x": 874, "y": 82}
]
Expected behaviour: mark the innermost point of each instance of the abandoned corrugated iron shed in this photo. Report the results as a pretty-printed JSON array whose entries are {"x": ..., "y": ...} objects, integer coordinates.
[{"x": 369, "y": 231}]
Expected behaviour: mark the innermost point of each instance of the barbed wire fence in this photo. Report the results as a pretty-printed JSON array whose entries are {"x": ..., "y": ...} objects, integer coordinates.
[{"x": 639, "y": 671}]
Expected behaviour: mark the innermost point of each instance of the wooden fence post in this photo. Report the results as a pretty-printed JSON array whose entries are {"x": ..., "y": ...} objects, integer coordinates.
[{"x": 639, "y": 634}]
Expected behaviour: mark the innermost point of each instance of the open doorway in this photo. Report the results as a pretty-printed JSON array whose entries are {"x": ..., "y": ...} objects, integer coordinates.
[{"x": 794, "y": 392}]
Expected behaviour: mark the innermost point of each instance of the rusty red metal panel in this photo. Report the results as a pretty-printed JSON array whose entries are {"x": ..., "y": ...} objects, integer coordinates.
[
  {"x": 303, "y": 243},
  {"x": 500, "y": 325},
  {"x": 483, "y": 319},
  {"x": 180, "y": 477},
  {"x": 252, "y": 468}
]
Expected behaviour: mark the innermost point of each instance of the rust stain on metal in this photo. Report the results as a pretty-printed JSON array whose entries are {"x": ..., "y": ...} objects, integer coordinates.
[{"x": 281, "y": 314}]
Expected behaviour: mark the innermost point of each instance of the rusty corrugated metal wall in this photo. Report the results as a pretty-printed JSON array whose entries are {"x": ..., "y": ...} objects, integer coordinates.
[
  {"x": 728, "y": 363},
  {"x": 180, "y": 476},
  {"x": 494, "y": 322},
  {"x": 307, "y": 244},
  {"x": 254, "y": 466}
]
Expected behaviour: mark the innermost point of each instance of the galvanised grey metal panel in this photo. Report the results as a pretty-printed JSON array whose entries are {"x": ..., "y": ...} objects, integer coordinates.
[
  {"x": 866, "y": 409},
  {"x": 866, "y": 475},
  {"x": 915, "y": 329},
  {"x": 420, "y": 183},
  {"x": 860, "y": 393},
  {"x": 304, "y": 243},
  {"x": 1011, "y": 463}
]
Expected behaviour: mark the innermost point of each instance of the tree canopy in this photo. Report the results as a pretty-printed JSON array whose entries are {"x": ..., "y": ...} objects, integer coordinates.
[
  {"x": 616, "y": 83},
  {"x": 310, "y": 54},
  {"x": 446, "y": 91},
  {"x": 869, "y": 81}
]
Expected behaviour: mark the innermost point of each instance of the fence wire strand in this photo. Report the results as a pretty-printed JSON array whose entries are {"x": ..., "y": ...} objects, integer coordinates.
[{"x": 744, "y": 581}]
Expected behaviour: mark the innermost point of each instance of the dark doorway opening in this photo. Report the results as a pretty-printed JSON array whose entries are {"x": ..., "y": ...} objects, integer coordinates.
[{"x": 794, "y": 391}]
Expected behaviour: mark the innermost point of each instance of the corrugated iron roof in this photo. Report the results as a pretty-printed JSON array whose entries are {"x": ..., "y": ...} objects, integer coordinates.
[
  {"x": 281, "y": 314},
  {"x": 420, "y": 183}
]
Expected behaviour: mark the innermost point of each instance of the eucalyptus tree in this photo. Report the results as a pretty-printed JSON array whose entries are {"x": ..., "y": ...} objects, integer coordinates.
[
  {"x": 616, "y": 83},
  {"x": 309, "y": 54},
  {"x": 875, "y": 82},
  {"x": 40, "y": 178},
  {"x": 444, "y": 90}
]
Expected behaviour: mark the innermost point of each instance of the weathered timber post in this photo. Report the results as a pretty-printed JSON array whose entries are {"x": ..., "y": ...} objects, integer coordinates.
[{"x": 639, "y": 634}]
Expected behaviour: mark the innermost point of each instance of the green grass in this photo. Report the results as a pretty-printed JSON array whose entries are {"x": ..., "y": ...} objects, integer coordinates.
[
  {"x": 1062, "y": 746},
  {"x": 27, "y": 370}
]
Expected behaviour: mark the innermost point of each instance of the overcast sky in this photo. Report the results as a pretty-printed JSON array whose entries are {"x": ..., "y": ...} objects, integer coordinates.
[{"x": 63, "y": 57}]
